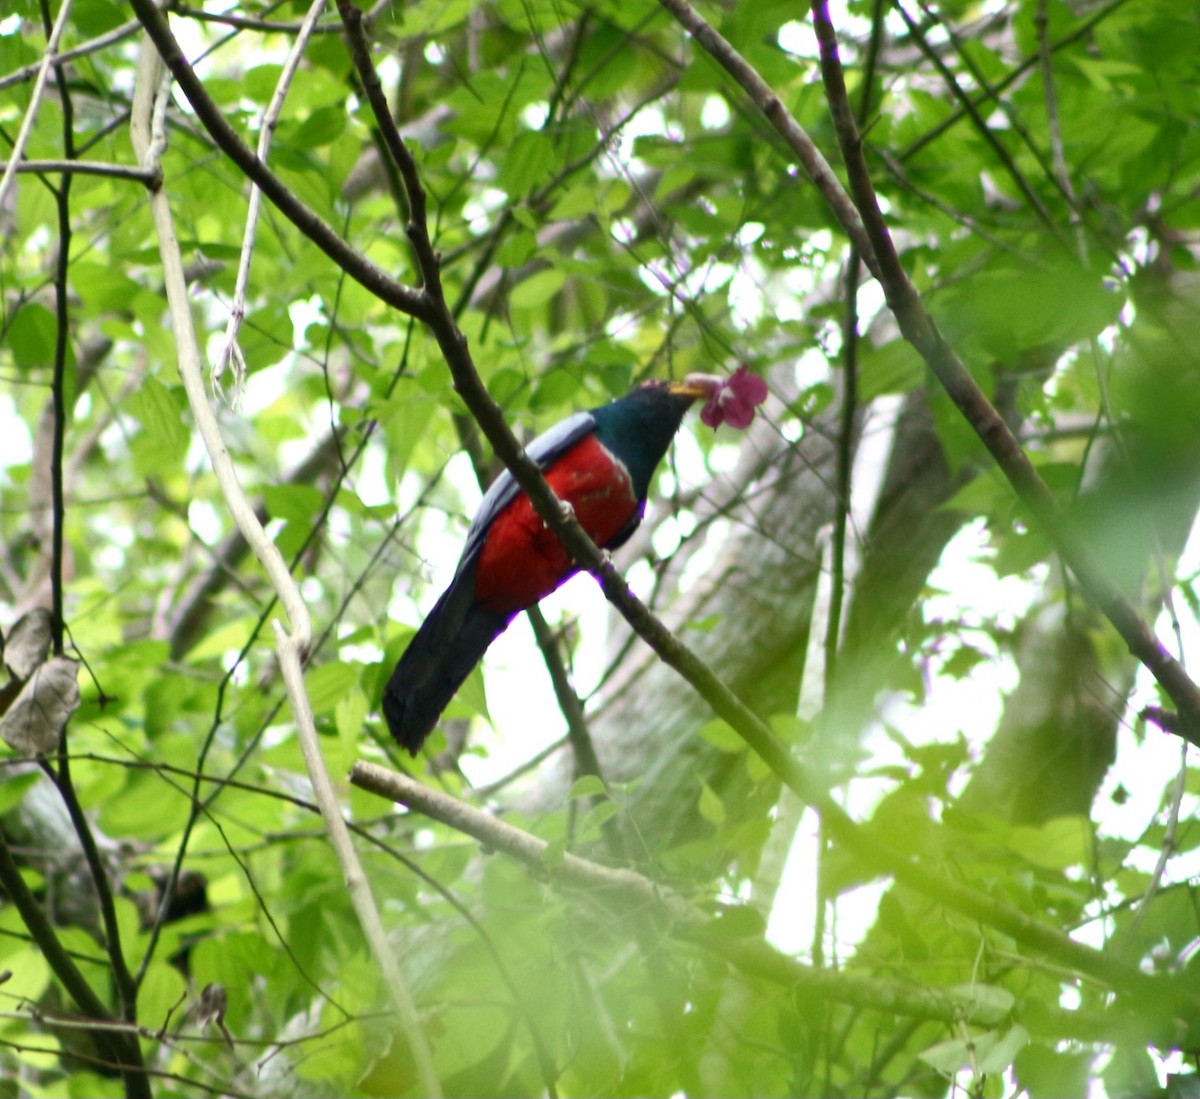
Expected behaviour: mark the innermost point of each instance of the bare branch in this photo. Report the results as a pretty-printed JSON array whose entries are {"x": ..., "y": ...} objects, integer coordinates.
[
  {"x": 35, "y": 101},
  {"x": 81, "y": 168},
  {"x": 626, "y": 891}
]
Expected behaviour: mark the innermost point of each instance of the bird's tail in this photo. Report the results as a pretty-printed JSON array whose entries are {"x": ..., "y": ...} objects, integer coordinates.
[{"x": 450, "y": 642}]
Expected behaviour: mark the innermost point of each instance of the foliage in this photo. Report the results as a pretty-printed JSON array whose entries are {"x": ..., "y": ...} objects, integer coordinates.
[{"x": 608, "y": 204}]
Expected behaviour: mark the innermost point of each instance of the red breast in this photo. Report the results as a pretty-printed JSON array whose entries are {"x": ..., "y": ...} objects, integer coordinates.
[{"x": 522, "y": 560}]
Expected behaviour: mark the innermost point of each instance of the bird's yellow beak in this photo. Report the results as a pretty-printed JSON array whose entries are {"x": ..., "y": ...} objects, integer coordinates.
[{"x": 696, "y": 386}]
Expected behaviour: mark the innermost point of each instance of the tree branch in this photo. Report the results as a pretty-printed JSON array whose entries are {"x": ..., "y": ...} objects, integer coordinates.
[
  {"x": 919, "y": 329},
  {"x": 134, "y": 1069},
  {"x": 82, "y": 168},
  {"x": 627, "y": 891},
  {"x": 103, "y": 41}
]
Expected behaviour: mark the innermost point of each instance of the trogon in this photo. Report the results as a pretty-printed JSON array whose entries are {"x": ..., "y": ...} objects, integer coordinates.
[{"x": 601, "y": 463}]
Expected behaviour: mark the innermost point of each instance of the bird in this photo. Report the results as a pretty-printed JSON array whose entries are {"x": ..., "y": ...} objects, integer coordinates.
[{"x": 601, "y": 463}]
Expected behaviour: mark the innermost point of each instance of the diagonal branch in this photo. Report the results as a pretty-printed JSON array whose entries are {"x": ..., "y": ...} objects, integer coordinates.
[
  {"x": 35, "y": 101},
  {"x": 919, "y": 330},
  {"x": 121, "y": 1050}
]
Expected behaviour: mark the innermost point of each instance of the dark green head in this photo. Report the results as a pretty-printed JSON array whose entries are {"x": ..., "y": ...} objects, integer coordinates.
[{"x": 639, "y": 427}]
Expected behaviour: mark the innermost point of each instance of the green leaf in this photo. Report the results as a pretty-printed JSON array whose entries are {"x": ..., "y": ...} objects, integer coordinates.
[
  {"x": 736, "y": 921},
  {"x": 31, "y": 334},
  {"x": 321, "y": 127},
  {"x": 517, "y": 249},
  {"x": 103, "y": 288},
  {"x": 430, "y": 17},
  {"x": 527, "y": 162},
  {"x": 989, "y": 997},
  {"x": 587, "y": 786},
  {"x": 721, "y": 735},
  {"x": 1048, "y": 1073},
  {"x": 1055, "y": 845},
  {"x": 35, "y": 1049},
  {"x": 893, "y": 368},
  {"x": 293, "y": 503},
  {"x": 93, "y": 18},
  {"x": 14, "y": 786},
  {"x": 161, "y": 995},
  {"x": 329, "y": 684},
  {"x": 164, "y": 440},
  {"x": 230, "y": 637},
  {"x": 710, "y": 806},
  {"x": 996, "y": 1056},
  {"x": 29, "y": 973},
  {"x": 538, "y": 289},
  {"x": 596, "y": 817},
  {"x": 350, "y": 715}
]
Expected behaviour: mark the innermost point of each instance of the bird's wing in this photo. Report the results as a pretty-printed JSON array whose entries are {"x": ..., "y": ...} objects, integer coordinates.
[{"x": 544, "y": 450}]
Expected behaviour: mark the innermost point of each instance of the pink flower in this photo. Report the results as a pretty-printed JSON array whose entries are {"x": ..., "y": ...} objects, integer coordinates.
[{"x": 734, "y": 400}]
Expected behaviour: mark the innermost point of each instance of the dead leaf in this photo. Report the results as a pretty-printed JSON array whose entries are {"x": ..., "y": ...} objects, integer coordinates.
[
  {"x": 36, "y": 719},
  {"x": 27, "y": 643}
]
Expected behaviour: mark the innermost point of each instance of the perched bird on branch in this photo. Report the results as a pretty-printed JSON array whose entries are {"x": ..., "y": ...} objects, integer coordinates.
[{"x": 599, "y": 462}]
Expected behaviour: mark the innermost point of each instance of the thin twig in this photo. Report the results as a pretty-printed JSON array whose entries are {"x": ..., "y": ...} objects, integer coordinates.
[
  {"x": 229, "y": 351},
  {"x": 569, "y": 702},
  {"x": 1053, "y": 127},
  {"x": 35, "y": 101},
  {"x": 1167, "y": 849},
  {"x": 81, "y": 168},
  {"x": 117, "y": 34},
  {"x": 248, "y": 23},
  {"x": 267, "y": 26}
]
